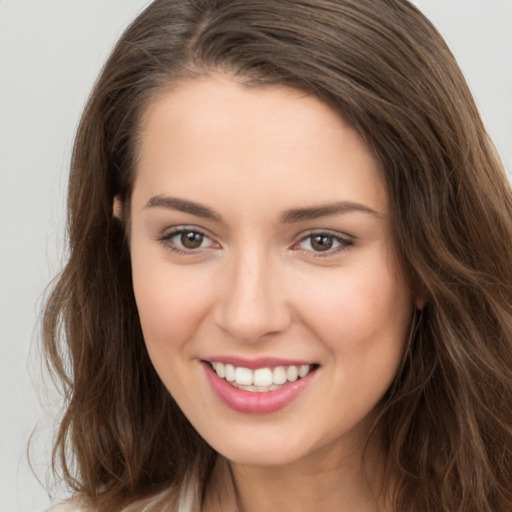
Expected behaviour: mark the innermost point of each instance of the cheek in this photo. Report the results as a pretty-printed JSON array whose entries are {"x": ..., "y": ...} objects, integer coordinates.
[
  {"x": 171, "y": 303},
  {"x": 368, "y": 308}
]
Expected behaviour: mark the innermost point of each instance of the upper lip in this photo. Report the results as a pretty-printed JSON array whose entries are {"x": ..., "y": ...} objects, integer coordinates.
[{"x": 259, "y": 362}]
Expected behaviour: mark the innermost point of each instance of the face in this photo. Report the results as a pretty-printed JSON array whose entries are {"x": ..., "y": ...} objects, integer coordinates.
[{"x": 270, "y": 297}]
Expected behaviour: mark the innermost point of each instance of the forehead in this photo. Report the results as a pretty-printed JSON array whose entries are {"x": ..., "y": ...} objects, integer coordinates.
[{"x": 213, "y": 133}]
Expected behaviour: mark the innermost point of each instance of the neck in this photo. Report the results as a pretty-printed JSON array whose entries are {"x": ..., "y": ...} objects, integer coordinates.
[{"x": 328, "y": 481}]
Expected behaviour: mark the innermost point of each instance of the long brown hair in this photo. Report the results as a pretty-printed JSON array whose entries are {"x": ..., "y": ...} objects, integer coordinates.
[{"x": 447, "y": 419}]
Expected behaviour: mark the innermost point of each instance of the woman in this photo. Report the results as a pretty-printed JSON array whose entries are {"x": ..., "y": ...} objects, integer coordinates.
[{"x": 289, "y": 283}]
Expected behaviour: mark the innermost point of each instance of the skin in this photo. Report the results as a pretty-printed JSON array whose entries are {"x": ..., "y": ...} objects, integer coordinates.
[{"x": 257, "y": 287}]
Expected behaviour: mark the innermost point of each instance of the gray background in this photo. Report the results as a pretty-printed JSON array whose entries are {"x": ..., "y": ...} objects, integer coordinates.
[{"x": 50, "y": 53}]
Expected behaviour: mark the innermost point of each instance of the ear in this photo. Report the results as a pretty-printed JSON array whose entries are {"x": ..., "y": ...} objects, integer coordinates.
[
  {"x": 420, "y": 302},
  {"x": 117, "y": 208},
  {"x": 419, "y": 291}
]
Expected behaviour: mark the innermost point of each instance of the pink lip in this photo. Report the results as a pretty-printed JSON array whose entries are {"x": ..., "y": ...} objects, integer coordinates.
[{"x": 253, "y": 402}]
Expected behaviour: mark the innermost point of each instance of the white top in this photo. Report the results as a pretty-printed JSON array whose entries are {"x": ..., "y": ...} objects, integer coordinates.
[{"x": 67, "y": 506}]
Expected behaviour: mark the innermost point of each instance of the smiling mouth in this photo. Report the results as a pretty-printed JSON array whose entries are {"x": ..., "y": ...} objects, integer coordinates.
[{"x": 261, "y": 380}]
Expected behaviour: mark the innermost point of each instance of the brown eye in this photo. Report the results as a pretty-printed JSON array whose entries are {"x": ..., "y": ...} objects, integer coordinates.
[
  {"x": 191, "y": 239},
  {"x": 322, "y": 242},
  {"x": 188, "y": 241}
]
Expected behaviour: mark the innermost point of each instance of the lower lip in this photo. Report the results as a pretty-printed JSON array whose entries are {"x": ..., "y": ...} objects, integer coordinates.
[{"x": 250, "y": 402}]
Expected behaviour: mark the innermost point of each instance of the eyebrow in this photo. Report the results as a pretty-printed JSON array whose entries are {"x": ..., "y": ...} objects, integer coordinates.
[
  {"x": 287, "y": 217},
  {"x": 182, "y": 205},
  {"x": 316, "y": 212}
]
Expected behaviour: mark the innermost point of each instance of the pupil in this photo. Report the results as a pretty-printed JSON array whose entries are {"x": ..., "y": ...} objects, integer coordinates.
[
  {"x": 321, "y": 242},
  {"x": 191, "y": 240}
]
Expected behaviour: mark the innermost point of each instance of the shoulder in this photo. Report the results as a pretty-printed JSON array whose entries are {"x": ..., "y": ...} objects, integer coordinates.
[{"x": 72, "y": 505}]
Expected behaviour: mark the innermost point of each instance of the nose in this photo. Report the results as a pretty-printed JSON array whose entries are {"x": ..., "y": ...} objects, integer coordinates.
[{"x": 253, "y": 305}]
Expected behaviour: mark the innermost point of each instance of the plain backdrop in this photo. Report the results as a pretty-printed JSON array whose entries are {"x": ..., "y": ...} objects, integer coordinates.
[{"x": 50, "y": 53}]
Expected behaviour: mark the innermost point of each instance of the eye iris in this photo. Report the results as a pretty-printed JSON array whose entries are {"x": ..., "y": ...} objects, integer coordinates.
[
  {"x": 191, "y": 240},
  {"x": 321, "y": 242}
]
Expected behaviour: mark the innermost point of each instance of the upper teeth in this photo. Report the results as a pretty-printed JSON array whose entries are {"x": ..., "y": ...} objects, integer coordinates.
[{"x": 262, "y": 377}]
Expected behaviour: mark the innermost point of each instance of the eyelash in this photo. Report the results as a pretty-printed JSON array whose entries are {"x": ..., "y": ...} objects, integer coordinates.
[
  {"x": 166, "y": 240},
  {"x": 344, "y": 243}
]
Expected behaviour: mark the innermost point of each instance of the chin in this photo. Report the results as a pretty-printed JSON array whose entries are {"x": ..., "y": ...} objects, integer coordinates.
[
  {"x": 250, "y": 447},
  {"x": 263, "y": 458}
]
